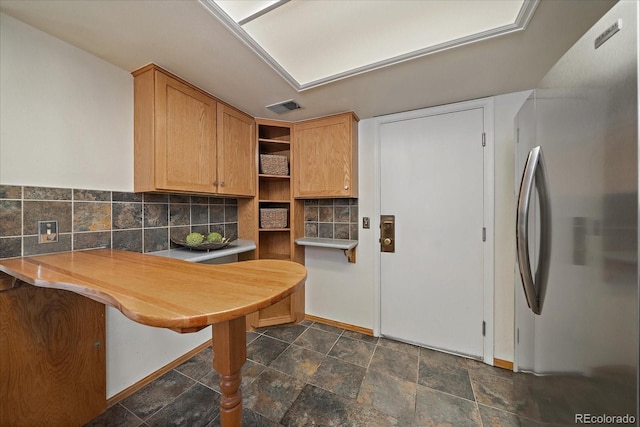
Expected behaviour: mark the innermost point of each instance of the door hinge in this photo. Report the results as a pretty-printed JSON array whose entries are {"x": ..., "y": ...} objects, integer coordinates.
[
  {"x": 484, "y": 139},
  {"x": 484, "y": 328},
  {"x": 517, "y": 135},
  {"x": 518, "y": 336},
  {"x": 484, "y": 234}
]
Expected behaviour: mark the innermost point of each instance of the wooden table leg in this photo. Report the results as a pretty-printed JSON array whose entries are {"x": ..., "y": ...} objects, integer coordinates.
[{"x": 229, "y": 354}]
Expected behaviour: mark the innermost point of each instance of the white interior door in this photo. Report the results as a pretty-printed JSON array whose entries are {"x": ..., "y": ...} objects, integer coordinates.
[{"x": 432, "y": 179}]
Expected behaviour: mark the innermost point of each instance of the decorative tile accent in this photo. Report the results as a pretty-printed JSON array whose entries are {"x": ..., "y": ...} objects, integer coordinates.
[
  {"x": 128, "y": 240},
  {"x": 92, "y": 195},
  {"x": 90, "y": 219},
  {"x": 156, "y": 239},
  {"x": 230, "y": 230},
  {"x": 325, "y": 230},
  {"x": 341, "y": 214},
  {"x": 179, "y": 214},
  {"x": 10, "y": 247},
  {"x": 100, "y": 239},
  {"x": 331, "y": 218},
  {"x": 179, "y": 198},
  {"x": 126, "y": 215},
  {"x": 10, "y": 192},
  {"x": 341, "y": 231},
  {"x": 156, "y": 214},
  {"x": 155, "y": 198},
  {"x": 199, "y": 214},
  {"x": 10, "y": 218},
  {"x": 325, "y": 214},
  {"x": 32, "y": 247},
  {"x": 311, "y": 229},
  {"x": 199, "y": 200},
  {"x": 231, "y": 213},
  {"x": 34, "y": 211},
  {"x": 216, "y": 214},
  {"x": 91, "y": 216},
  {"x": 126, "y": 197},
  {"x": 47, "y": 193}
]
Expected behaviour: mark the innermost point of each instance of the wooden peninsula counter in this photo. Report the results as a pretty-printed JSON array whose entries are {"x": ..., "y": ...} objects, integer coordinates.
[{"x": 151, "y": 290}]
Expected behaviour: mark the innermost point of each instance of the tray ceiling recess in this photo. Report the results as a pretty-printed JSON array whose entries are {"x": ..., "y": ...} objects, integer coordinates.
[{"x": 312, "y": 43}]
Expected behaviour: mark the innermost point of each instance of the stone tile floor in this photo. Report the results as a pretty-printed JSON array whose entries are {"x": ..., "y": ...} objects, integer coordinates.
[{"x": 315, "y": 374}]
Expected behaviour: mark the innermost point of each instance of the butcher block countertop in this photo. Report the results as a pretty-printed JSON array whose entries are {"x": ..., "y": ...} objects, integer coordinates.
[
  {"x": 163, "y": 292},
  {"x": 157, "y": 291}
]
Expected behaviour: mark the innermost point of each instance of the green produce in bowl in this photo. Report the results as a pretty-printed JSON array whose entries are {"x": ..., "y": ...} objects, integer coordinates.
[
  {"x": 214, "y": 238},
  {"x": 194, "y": 239}
]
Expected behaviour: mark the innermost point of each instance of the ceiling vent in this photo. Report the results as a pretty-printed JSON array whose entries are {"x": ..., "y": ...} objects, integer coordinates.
[{"x": 284, "y": 106}]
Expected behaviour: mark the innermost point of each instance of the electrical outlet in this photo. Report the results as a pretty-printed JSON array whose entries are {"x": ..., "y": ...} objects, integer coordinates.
[{"x": 47, "y": 231}]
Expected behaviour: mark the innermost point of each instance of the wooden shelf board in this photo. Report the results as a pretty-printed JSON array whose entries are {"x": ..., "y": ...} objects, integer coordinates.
[
  {"x": 275, "y": 256},
  {"x": 263, "y": 175},
  {"x": 274, "y": 201},
  {"x": 274, "y": 141},
  {"x": 274, "y": 229}
]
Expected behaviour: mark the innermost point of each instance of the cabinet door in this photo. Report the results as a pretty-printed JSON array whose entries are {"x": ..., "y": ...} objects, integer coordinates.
[
  {"x": 185, "y": 137},
  {"x": 52, "y": 358},
  {"x": 236, "y": 153},
  {"x": 325, "y": 156}
]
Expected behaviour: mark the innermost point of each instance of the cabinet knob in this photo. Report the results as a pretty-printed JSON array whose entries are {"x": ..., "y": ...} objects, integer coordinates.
[
  {"x": 215, "y": 182},
  {"x": 346, "y": 187},
  {"x": 222, "y": 184}
]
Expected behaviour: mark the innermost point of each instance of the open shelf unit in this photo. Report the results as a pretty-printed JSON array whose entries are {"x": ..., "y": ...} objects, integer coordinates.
[{"x": 276, "y": 191}]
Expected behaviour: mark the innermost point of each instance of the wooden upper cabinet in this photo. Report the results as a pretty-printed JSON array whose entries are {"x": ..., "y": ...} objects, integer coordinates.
[
  {"x": 325, "y": 157},
  {"x": 236, "y": 152},
  {"x": 185, "y": 137},
  {"x": 186, "y": 141}
]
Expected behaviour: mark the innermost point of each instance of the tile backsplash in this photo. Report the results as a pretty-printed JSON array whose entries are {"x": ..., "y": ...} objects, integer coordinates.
[
  {"x": 331, "y": 218},
  {"x": 87, "y": 219}
]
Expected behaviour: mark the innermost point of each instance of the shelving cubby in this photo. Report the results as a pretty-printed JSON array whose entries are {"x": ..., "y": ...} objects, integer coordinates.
[{"x": 276, "y": 191}]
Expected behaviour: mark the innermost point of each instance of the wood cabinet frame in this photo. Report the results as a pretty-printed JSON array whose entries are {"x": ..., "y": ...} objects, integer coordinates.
[
  {"x": 186, "y": 140},
  {"x": 274, "y": 137},
  {"x": 325, "y": 157},
  {"x": 52, "y": 353}
]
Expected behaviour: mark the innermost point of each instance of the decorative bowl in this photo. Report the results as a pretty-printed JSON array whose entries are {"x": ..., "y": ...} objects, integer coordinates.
[{"x": 204, "y": 246}]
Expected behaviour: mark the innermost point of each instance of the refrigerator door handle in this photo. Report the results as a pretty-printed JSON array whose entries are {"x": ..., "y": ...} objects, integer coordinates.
[{"x": 534, "y": 171}]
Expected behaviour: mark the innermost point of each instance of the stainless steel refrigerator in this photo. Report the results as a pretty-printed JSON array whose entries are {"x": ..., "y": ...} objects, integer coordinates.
[{"x": 577, "y": 231}]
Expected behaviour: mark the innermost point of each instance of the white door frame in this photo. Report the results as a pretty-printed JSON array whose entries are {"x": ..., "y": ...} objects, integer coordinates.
[{"x": 487, "y": 105}]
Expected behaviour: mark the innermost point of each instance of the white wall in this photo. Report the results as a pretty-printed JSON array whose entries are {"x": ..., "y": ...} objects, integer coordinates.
[
  {"x": 66, "y": 116},
  {"x": 336, "y": 289},
  {"x": 345, "y": 292},
  {"x": 66, "y": 120}
]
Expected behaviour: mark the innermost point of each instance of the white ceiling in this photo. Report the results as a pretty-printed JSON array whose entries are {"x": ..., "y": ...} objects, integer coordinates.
[
  {"x": 183, "y": 37},
  {"x": 370, "y": 34}
]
